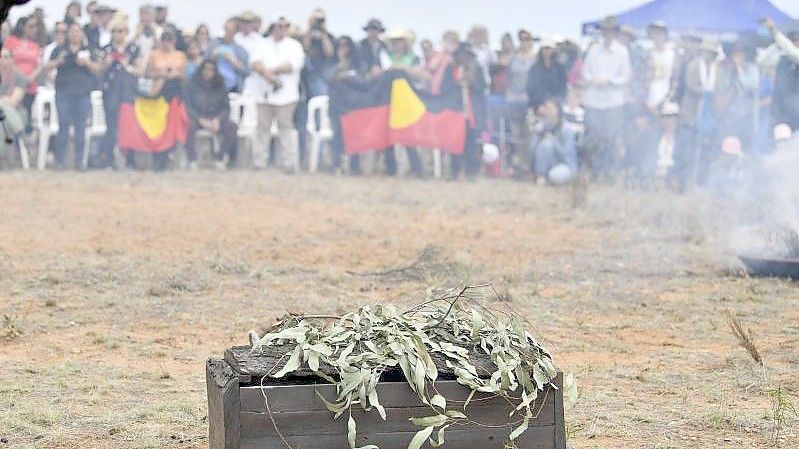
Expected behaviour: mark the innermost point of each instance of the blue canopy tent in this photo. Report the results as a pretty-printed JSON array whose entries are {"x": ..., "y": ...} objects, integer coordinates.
[{"x": 699, "y": 16}]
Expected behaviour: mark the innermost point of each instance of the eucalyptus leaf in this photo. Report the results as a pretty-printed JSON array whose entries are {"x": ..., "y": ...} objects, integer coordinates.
[{"x": 420, "y": 437}]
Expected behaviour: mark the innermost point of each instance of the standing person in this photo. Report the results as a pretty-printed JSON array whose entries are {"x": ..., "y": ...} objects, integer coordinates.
[
  {"x": 162, "y": 19},
  {"x": 209, "y": 109},
  {"x": 90, "y": 29},
  {"x": 72, "y": 13},
  {"x": 785, "y": 108},
  {"x": 59, "y": 38},
  {"x": 469, "y": 75},
  {"x": 73, "y": 84},
  {"x": 319, "y": 53},
  {"x": 661, "y": 60},
  {"x": 499, "y": 69},
  {"x": 698, "y": 123},
  {"x": 147, "y": 31},
  {"x": 478, "y": 39},
  {"x": 194, "y": 56},
  {"x": 606, "y": 72},
  {"x": 402, "y": 57},
  {"x": 232, "y": 60},
  {"x": 737, "y": 95},
  {"x": 203, "y": 37},
  {"x": 547, "y": 78},
  {"x": 373, "y": 51},
  {"x": 348, "y": 66},
  {"x": 100, "y": 35},
  {"x": 275, "y": 84},
  {"x": 518, "y": 103},
  {"x": 121, "y": 62},
  {"x": 28, "y": 60},
  {"x": 248, "y": 35},
  {"x": 42, "y": 37}
]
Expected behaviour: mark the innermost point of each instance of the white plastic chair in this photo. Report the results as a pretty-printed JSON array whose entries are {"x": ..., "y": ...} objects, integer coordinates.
[
  {"x": 46, "y": 120},
  {"x": 244, "y": 113},
  {"x": 98, "y": 126},
  {"x": 320, "y": 133}
]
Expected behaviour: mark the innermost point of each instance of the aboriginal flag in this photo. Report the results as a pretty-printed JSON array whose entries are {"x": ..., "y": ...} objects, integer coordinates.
[
  {"x": 387, "y": 110},
  {"x": 152, "y": 124}
]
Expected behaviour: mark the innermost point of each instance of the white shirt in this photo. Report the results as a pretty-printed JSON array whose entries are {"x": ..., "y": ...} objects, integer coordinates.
[
  {"x": 272, "y": 54},
  {"x": 611, "y": 66},
  {"x": 662, "y": 69},
  {"x": 249, "y": 41},
  {"x": 104, "y": 36}
]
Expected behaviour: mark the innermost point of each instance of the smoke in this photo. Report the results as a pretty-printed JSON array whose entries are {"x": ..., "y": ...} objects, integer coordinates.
[{"x": 767, "y": 206}]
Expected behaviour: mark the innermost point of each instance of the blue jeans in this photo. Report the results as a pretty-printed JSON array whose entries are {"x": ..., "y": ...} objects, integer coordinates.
[{"x": 73, "y": 110}]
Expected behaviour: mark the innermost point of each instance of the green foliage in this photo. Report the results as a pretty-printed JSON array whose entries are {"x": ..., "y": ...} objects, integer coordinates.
[{"x": 454, "y": 329}]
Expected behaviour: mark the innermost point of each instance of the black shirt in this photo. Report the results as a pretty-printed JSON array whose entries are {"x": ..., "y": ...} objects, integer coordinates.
[{"x": 73, "y": 79}]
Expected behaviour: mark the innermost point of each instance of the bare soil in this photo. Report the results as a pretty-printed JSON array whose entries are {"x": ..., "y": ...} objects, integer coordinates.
[{"x": 117, "y": 286}]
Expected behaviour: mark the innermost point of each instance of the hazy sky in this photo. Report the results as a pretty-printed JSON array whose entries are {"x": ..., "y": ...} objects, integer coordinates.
[{"x": 427, "y": 17}]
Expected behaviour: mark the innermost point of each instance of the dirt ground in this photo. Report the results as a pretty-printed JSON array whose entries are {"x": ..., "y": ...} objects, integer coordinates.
[{"x": 116, "y": 287}]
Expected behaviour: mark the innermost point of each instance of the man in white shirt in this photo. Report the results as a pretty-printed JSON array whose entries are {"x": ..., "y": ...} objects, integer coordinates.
[
  {"x": 275, "y": 84},
  {"x": 248, "y": 36},
  {"x": 606, "y": 72}
]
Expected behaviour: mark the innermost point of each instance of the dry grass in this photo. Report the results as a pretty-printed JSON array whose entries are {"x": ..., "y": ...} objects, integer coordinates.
[
  {"x": 124, "y": 283},
  {"x": 745, "y": 338}
]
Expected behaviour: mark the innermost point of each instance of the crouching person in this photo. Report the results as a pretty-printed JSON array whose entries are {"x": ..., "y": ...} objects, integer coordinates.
[
  {"x": 209, "y": 109},
  {"x": 554, "y": 146}
]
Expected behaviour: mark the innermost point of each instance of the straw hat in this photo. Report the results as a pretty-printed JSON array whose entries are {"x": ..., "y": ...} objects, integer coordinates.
[
  {"x": 399, "y": 33},
  {"x": 248, "y": 16}
]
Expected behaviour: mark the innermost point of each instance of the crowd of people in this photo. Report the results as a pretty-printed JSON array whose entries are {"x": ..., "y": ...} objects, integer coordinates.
[{"x": 646, "y": 107}]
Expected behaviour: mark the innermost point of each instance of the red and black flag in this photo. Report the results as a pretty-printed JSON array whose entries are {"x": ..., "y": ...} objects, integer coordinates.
[
  {"x": 153, "y": 124},
  {"x": 388, "y": 110}
]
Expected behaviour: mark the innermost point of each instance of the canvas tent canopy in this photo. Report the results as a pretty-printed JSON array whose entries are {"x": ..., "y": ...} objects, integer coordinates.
[{"x": 699, "y": 16}]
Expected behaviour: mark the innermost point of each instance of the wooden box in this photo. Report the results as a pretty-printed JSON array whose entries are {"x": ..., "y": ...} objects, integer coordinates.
[{"x": 238, "y": 418}]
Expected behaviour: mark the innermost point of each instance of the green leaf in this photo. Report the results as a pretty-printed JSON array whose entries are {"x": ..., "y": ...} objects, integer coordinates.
[
  {"x": 521, "y": 429},
  {"x": 351, "y": 431},
  {"x": 420, "y": 437},
  {"x": 292, "y": 365},
  {"x": 439, "y": 401},
  {"x": 455, "y": 414},
  {"x": 373, "y": 401},
  {"x": 440, "y": 441},
  {"x": 333, "y": 407},
  {"x": 434, "y": 421},
  {"x": 313, "y": 360}
]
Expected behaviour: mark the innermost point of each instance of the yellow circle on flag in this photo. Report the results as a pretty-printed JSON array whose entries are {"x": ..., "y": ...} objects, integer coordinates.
[{"x": 406, "y": 107}]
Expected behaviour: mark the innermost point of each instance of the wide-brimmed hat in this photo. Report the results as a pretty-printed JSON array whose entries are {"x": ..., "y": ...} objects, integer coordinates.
[
  {"x": 710, "y": 45},
  {"x": 658, "y": 25},
  {"x": 374, "y": 24},
  {"x": 248, "y": 16},
  {"x": 399, "y": 33},
  {"x": 103, "y": 9},
  {"x": 610, "y": 23}
]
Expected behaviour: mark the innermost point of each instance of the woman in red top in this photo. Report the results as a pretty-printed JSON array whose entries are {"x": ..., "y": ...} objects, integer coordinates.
[{"x": 27, "y": 58}]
